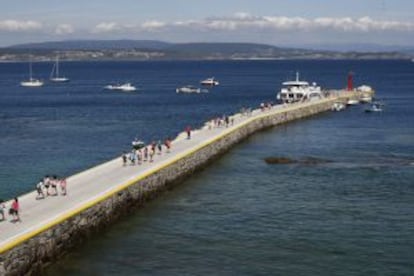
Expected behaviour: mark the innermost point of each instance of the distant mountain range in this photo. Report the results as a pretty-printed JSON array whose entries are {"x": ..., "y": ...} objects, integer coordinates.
[
  {"x": 159, "y": 50},
  {"x": 94, "y": 45}
]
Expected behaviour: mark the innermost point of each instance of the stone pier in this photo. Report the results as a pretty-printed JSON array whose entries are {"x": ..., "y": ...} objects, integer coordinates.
[{"x": 99, "y": 196}]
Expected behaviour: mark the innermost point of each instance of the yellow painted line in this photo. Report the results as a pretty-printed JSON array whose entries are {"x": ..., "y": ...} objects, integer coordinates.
[{"x": 26, "y": 236}]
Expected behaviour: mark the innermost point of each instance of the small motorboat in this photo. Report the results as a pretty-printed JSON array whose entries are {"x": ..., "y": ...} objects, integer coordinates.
[
  {"x": 352, "y": 102},
  {"x": 188, "y": 89},
  {"x": 137, "y": 144},
  {"x": 209, "y": 82},
  {"x": 338, "y": 106},
  {"x": 375, "y": 107},
  {"x": 126, "y": 87}
]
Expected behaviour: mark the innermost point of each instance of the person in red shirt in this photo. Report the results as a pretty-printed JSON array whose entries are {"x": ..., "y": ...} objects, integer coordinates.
[{"x": 14, "y": 210}]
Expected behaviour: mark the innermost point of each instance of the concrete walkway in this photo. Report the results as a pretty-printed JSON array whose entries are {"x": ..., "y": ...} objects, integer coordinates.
[{"x": 91, "y": 186}]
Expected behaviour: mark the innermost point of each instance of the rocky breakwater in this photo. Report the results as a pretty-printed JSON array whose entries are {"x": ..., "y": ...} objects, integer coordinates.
[{"x": 29, "y": 253}]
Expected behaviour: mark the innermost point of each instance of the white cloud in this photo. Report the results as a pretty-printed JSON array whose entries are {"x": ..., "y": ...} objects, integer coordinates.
[
  {"x": 19, "y": 26},
  {"x": 241, "y": 21},
  {"x": 281, "y": 23},
  {"x": 152, "y": 25},
  {"x": 64, "y": 29},
  {"x": 106, "y": 27},
  {"x": 244, "y": 21}
]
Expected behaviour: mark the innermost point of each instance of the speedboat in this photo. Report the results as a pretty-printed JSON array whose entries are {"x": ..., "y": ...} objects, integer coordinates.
[
  {"x": 126, "y": 87},
  {"x": 297, "y": 90},
  {"x": 375, "y": 107},
  {"x": 137, "y": 144},
  {"x": 338, "y": 106},
  {"x": 209, "y": 82},
  {"x": 32, "y": 83},
  {"x": 188, "y": 89}
]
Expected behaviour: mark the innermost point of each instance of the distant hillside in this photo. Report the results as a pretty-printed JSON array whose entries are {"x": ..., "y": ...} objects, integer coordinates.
[
  {"x": 232, "y": 50},
  {"x": 158, "y": 50},
  {"x": 94, "y": 45},
  {"x": 358, "y": 47}
]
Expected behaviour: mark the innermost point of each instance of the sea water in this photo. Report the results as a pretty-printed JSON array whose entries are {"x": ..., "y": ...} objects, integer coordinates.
[{"x": 349, "y": 215}]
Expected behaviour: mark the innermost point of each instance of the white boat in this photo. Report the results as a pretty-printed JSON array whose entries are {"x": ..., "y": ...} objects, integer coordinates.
[
  {"x": 209, "y": 82},
  {"x": 365, "y": 92},
  {"x": 297, "y": 90},
  {"x": 338, "y": 106},
  {"x": 31, "y": 82},
  {"x": 188, "y": 89},
  {"x": 137, "y": 144},
  {"x": 54, "y": 75},
  {"x": 365, "y": 99},
  {"x": 126, "y": 87},
  {"x": 352, "y": 102},
  {"x": 375, "y": 107}
]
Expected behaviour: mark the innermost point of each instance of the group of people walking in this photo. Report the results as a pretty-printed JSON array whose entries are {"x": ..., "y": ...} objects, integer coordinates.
[
  {"x": 13, "y": 210},
  {"x": 49, "y": 185},
  {"x": 220, "y": 121},
  {"x": 146, "y": 153}
]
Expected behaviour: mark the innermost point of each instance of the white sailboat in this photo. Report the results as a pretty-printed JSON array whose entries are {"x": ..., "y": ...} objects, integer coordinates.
[
  {"x": 31, "y": 82},
  {"x": 54, "y": 75}
]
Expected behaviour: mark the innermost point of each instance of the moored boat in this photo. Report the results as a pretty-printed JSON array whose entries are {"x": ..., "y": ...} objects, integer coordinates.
[
  {"x": 297, "y": 90},
  {"x": 338, "y": 106},
  {"x": 54, "y": 75},
  {"x": 137, "y": 144},
  {"x": 375, "y": 107},
  {"x": 31, "y": 82},
  {"x": 352, "y": 102}
]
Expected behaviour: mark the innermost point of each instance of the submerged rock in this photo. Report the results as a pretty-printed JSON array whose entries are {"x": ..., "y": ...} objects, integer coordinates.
[
  {"x": 286, "y": 160},
  {"x": 279, "y": 160}
]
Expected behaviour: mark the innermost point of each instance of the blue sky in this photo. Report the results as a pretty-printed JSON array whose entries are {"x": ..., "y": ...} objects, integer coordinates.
[{"x": 277, "y": 22}]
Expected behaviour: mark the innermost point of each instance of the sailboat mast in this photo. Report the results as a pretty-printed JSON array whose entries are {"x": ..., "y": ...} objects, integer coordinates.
[
  {"x": 57, "y": 66},
  {"x": 30, "y": 70}
]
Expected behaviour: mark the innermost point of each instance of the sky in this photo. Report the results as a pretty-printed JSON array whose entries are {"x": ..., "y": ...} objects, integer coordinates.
[{"x": 275, "y": 22}]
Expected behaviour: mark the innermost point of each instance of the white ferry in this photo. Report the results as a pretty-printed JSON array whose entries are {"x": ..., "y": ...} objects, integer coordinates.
[
  {"x": 297, "y": 90},
  {"x": 366, "y": 93}
]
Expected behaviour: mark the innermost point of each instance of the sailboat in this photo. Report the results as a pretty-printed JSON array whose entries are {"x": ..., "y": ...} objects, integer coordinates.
[
  {"x": 31, "y": 82},
  {"x": 54, "y": 75}
]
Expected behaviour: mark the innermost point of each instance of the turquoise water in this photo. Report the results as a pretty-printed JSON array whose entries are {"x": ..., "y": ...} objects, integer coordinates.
[{"x": 240, "y": 216}]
